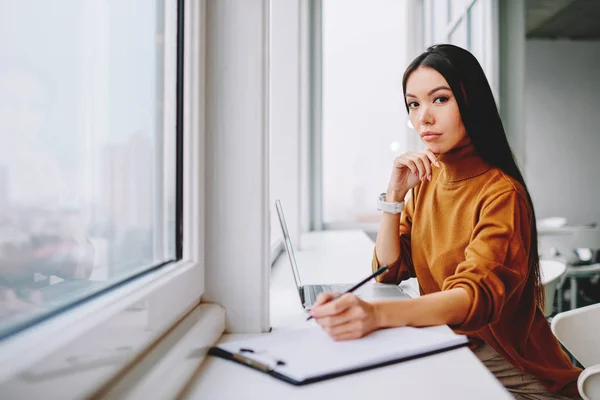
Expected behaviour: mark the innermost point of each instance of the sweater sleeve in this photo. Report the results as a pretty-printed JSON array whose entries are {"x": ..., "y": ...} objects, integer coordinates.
[
  {"x": 496, "y": 259},
  {"x": 402, "y": 268}
]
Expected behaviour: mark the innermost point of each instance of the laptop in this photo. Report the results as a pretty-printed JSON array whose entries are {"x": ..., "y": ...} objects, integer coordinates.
[{"x": 308, "y": 293}]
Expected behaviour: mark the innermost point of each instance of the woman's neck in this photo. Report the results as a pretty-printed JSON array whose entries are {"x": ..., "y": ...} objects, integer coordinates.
[{"x": 462, "y": 163}]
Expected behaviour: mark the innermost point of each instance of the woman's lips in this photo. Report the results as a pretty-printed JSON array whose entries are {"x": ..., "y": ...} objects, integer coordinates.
[{"x": 430, "y": 136}]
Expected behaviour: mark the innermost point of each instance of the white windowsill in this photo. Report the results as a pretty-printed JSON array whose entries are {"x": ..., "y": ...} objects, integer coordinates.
[
  {"x": 27, "y": 348},
  {"x": 166, "y": 370}
]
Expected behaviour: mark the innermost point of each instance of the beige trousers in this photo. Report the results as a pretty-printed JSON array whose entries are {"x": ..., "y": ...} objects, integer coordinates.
[{"x": 521, "y": 385}]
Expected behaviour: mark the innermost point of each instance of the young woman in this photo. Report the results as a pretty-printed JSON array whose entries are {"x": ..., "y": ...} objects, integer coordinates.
[{"x": 467, "y": 232}]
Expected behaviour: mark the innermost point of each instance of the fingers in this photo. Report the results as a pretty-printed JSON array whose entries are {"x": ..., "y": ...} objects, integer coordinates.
[
  {"x": 332, "y": 322},
  {"x": 424, "y": 166},
  {"x": 432, "y": 157},
  {"x": 348, "y": 331},
  {"x": 419, "y": 163},
  {"x": 332, "y": 308},
  {"x": 404, "y": 161},
  {"x": 353, "y": 323},
  {"x": 414, "y": 163},
  {"x": 323, "y": 298},
  {"x": 343, "y": 319}
]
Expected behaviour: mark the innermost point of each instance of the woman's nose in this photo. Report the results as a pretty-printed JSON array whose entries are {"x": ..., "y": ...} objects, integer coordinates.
[{"x": 425, "y": 117}]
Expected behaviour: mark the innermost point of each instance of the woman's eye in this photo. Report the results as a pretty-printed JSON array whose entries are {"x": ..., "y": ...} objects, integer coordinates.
[
  {"x": 412, "y": 105},
  {"x": 441, "y": 99}
]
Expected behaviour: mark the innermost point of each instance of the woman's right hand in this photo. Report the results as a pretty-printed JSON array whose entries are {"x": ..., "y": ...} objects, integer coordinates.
[{"x": 409, "y": 169}]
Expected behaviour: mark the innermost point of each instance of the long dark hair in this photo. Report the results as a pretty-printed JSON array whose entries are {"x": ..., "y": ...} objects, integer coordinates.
[{"x": 483, "y": 124}]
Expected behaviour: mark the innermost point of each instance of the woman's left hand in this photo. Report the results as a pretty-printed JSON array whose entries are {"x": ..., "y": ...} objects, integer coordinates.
[{"x": 345, "y": 318}]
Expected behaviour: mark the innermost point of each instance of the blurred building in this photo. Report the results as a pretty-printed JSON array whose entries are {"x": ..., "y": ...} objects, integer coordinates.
[
  {"x": 128, "y": 184},
  {"x": 127, "y": 195}
]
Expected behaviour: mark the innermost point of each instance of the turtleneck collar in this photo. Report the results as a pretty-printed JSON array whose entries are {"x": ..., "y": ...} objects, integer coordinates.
[{"x": 462, "y": 164}]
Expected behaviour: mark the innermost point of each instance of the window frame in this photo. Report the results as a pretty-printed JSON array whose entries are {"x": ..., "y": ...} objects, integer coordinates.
[
  {"x": 316, "y": 117},
  {"x": 287, "y": 124},
  {"x": 24, "y": 349},
  {"x": 490, "y": 10}
]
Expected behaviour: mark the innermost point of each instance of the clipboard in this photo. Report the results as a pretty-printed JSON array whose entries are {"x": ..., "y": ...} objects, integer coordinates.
[{"x": 306, "y": 356}]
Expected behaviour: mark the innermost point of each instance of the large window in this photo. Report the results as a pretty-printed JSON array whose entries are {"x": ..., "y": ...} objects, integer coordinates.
[
  {"x": 468, "y": 24},
  {"x": 87, "y": 150},
  {"x": 364, "y": 122}
]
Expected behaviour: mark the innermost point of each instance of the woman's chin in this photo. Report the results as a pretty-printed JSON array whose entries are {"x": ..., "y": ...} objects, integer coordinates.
[{"x": 436, "y": 148}]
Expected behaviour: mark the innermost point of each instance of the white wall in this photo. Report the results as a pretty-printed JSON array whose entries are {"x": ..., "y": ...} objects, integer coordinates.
[
  {"x": 563, "y": 129},
  {"x": 237, "y": 247}
]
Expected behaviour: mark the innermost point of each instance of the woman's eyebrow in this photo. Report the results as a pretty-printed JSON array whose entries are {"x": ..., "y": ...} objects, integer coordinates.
[{"x": 432, "y": 91}]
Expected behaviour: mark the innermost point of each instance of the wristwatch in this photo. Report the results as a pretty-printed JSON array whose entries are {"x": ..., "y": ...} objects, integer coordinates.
[{"x": 392, "y": 208}]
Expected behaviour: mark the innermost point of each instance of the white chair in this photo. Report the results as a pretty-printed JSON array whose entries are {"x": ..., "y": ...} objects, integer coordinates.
[
  {"x": 551, "y": 273},
  {"x": 578, "y": 331}
]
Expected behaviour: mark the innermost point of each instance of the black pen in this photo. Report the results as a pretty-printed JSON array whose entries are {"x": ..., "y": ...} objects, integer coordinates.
[{"x": 380, "y": 271}]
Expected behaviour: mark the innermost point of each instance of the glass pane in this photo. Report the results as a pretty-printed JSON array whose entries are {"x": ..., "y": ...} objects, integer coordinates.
[
  {"x": 426, "y": 15},
  {"x": 478, "y": 31},
  {"x": 364, "y": 119},
  {"x": 457, "y": 8},
  {"x": 86, "y": 167},
  {"x": 459, "y": 35},
  {"x": 440, "y": 21}
]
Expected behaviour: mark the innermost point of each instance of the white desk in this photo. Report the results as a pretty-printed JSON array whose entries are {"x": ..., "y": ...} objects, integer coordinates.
[{"x": 342, "y": 257}]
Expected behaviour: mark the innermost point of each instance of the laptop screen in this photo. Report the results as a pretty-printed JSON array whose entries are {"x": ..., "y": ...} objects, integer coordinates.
[{"x": 288, "y": 243}]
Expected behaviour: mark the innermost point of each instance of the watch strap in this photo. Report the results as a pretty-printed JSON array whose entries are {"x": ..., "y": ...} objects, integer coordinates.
[{"x": 389, "y": 207}]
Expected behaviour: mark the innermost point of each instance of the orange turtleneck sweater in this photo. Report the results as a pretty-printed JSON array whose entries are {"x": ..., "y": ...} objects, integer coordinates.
[{"x": 469, "y": 227}]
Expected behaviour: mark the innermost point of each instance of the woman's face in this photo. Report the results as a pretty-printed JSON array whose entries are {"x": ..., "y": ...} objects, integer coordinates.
[{"x": 433, "y": 111}]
